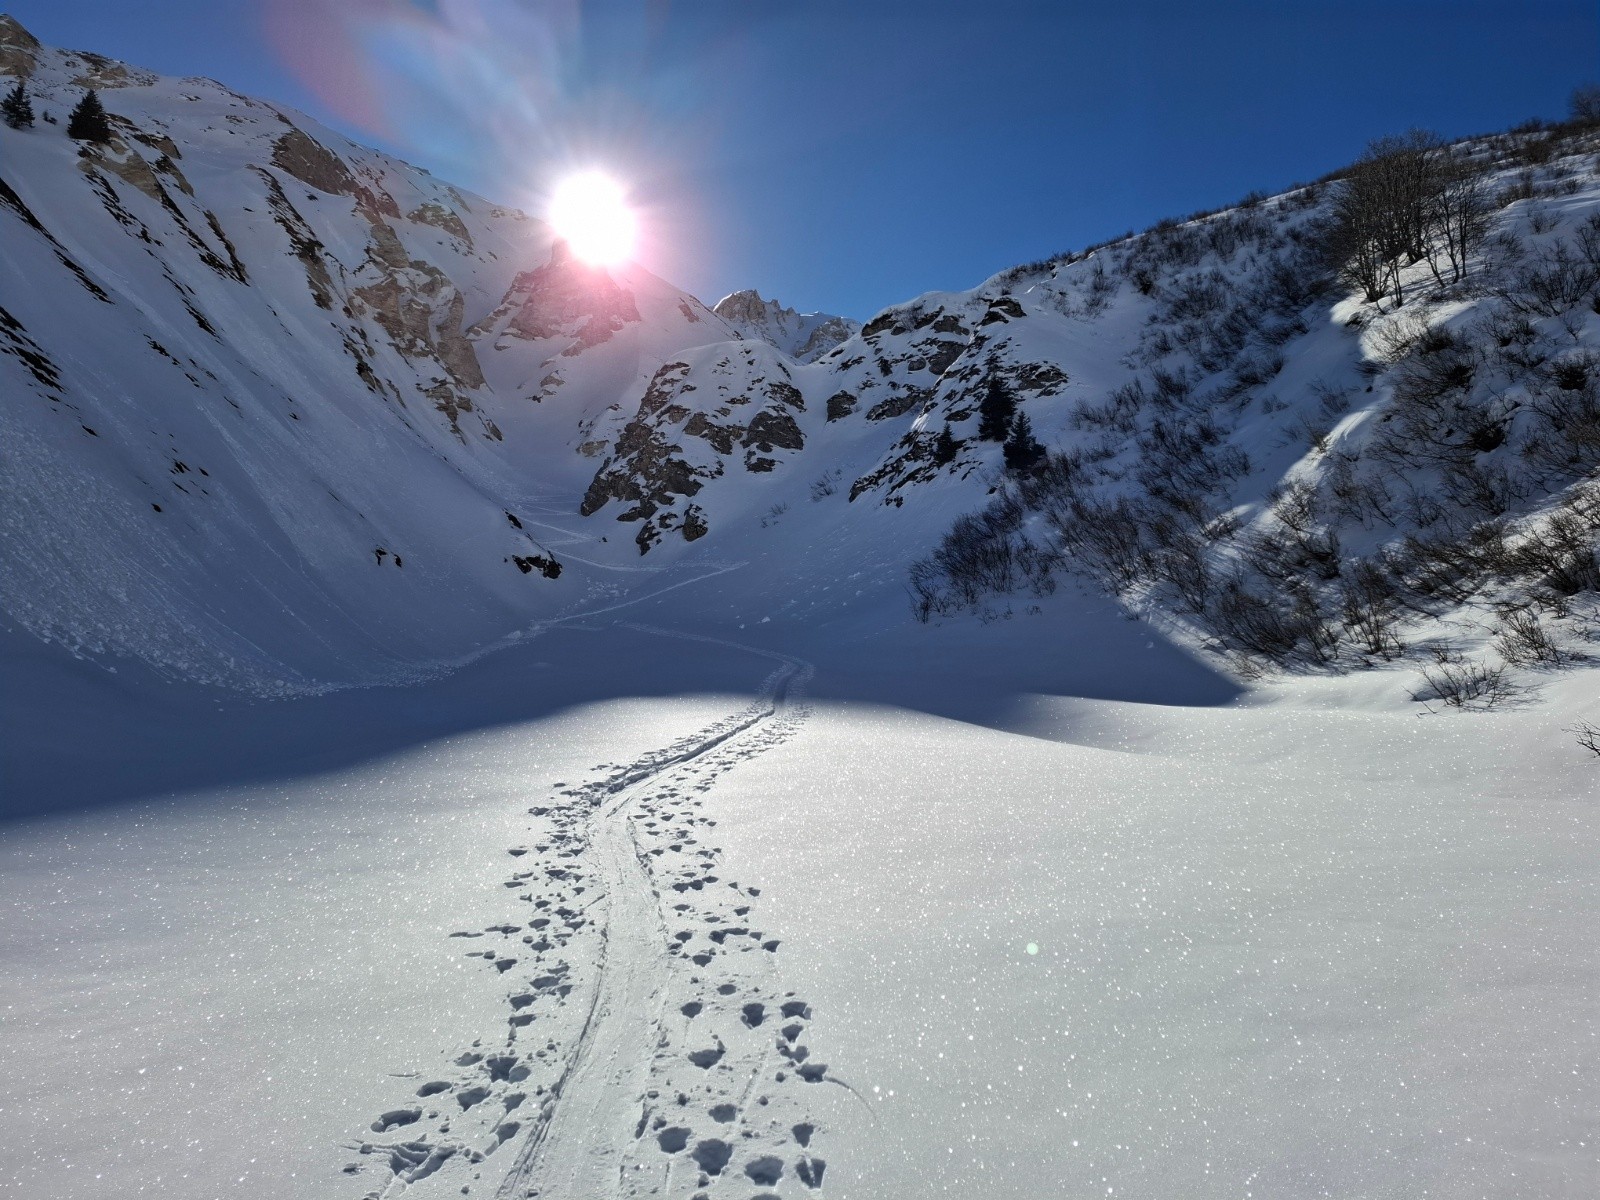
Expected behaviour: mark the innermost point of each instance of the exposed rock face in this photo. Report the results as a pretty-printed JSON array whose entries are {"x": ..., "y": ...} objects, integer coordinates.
[
  {"x": 563, "y": 298},
  {"x": 742, "y": 413},
  {"x": 805, "y": 336},
  {"x": 312, "y": 163},
  {"x": 103, "y": 73},
  {"x": 18, "y": 48},
  {"x": 442, "y": 217}
]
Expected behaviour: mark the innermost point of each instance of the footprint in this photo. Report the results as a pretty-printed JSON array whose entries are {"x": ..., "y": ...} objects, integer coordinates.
[
  {"x": 754, "y": 1014},
  {"x": 708, "y": 1058},
  {"x": 504, "y": 1069},
  {"x": 810, "y": 1171},
  {"x": 396, "y": 1119},
  {"x": 673, "y": 1140},
  {"x": 434, "y": 1088},
  {"x": 813, "y": 1072},
  {"x": 471, "y": 1096},
  {"x": 712, "y": 1155},
  {"x": 692, "y": 1009},
  {"x": 765, "y": 1171},
  {"x": 724, "y": 1113},
  {"x": 802, "y": 1133}
]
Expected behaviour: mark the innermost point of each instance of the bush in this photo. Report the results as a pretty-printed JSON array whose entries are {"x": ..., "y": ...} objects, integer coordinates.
[
  {"x": 828, "y": 483},
  {"x": 1368, "y": 603},
  {"x": 1583, "y": 106},
  {"x": 1588, "y": 736},
  {"x": 1555, "y": 282},
  {"x": 1280, "y": 628},
  {"x": 1463, "y": 684},
  {"x": 1522, "y": 639}
]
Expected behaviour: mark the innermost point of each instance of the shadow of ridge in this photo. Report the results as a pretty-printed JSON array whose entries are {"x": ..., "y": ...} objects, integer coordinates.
[
  {"x": 994, "y": 674},
  {"x": 75, "y": 737}
]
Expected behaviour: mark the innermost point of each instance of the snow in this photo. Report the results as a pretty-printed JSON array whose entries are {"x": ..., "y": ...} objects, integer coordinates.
[
  {"x": 1304, "y": 943},
  {"x": 703, "y": 872}
]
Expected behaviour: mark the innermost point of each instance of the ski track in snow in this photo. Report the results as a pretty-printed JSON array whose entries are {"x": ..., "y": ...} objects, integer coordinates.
[{"x": 649, "y": 1049}]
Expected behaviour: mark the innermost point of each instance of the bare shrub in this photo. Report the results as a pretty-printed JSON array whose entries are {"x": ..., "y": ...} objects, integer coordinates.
[
  {"x": 1462, "y": 683},
  {"x": 1583, "y": 108},
  {"x": 1105, "y": 539},
  {"x": 1368, "y": 604},
  {"x": 1560, "y": 554},
  {"x": 1523, "y": 639},
  {"x": 1449, "y": 567},
  {"x": 825, "y": 485},
  {"x": 1393, "y": 338},
  {"x": 1556, "y": 280},
  {"x": 1278, "y": 628},
  {"x": 1588, "y": 736},
  {"x": 980, "y": 553}
]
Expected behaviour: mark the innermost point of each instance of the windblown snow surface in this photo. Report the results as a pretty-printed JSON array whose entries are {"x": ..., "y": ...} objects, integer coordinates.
[{"x": 705, "y": 871}]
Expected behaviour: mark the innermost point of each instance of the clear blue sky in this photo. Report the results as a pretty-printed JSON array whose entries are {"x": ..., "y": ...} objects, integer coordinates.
[{"x": 847, "y": 155}]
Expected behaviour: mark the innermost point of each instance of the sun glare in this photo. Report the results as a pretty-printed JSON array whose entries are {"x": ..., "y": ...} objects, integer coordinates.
[{"x": 590, "y": 211}]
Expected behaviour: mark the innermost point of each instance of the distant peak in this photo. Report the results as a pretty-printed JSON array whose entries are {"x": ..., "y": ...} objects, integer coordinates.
[
  {"x": 802, "y": 335},
  {"x": 747, "y": 305},
  {"x": 18, "y": 48},
  {"x": 12, "y": 34}
]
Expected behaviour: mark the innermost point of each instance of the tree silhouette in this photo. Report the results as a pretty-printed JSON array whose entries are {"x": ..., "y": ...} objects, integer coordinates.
[
  {"x": 16, "y": 109},
  {"x": 88, "y": 122},
  {"x": 1022, "y": 450},
  {"x": 996, "y": 410}
]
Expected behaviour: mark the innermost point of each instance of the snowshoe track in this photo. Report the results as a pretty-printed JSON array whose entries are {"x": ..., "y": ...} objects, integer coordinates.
[{"x": 649, "y": 1048}]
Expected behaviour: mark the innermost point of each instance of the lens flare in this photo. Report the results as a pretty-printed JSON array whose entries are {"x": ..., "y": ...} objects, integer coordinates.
[{"x": 590, "y": 212}]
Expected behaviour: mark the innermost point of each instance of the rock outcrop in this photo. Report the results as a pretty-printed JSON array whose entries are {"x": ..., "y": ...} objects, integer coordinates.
[{"x": 802, "y": 336}]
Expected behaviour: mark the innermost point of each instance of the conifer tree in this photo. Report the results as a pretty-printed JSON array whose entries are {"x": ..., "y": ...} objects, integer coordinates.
[
  {"x": 88, "y": 122},
  {"x": 996, "y": 410},
  {"x": 1022, "y": 450},
  {"x": 16, "y": 109},
  {"x": 944, "y": 448}
]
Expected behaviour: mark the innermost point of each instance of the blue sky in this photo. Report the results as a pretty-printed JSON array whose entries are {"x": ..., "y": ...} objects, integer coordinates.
[{"x": 845, "y": 156}]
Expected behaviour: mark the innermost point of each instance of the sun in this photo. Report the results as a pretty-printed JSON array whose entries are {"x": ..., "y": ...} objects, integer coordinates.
[{"x": 590, "y": 212}]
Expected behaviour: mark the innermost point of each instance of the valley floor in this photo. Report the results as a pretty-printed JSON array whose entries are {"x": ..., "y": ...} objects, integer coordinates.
[{"x": 618, "y": 912}]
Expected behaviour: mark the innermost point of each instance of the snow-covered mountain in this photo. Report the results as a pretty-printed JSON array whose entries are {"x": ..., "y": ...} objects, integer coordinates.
[
  {"x": 803, "y": 336},
  {"x": 312, "y": 383},
  {"x": 980, "y": 757},
  {"x": 335, "y": 398}
]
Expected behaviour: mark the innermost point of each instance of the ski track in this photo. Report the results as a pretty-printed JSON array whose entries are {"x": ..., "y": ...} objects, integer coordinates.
[{"x": 648, "y": 1048}]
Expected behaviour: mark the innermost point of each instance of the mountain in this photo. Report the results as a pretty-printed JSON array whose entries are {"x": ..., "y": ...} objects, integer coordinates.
[
  {"x": 358, "y": 415},
  {"x": 314, "y": 384},
  {"x": 1013, "y": 751},
  {"x": 803, "y": 336}
]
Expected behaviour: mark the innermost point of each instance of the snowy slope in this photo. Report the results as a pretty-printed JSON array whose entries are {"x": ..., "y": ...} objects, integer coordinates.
[
  {"x": 273, "y": 400},
  {"x": 722, "y": 875}
]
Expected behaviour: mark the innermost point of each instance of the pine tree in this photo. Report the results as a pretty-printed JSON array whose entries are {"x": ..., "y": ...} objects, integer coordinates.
[
  {"x": 16, "y": 109},
  {"x": 1022, "y": 450},
  {"x": 996, "y": 410},
  {"x": 88, "y": 122},
  {"x": 945, "y": 448}
]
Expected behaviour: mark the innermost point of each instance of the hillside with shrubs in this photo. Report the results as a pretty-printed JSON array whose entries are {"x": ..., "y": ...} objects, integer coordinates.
[{"x": 1354, "y": 423}]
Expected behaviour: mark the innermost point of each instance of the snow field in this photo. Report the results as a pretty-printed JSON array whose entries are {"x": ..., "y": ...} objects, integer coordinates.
[{"x": 1280, "y": 952}]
